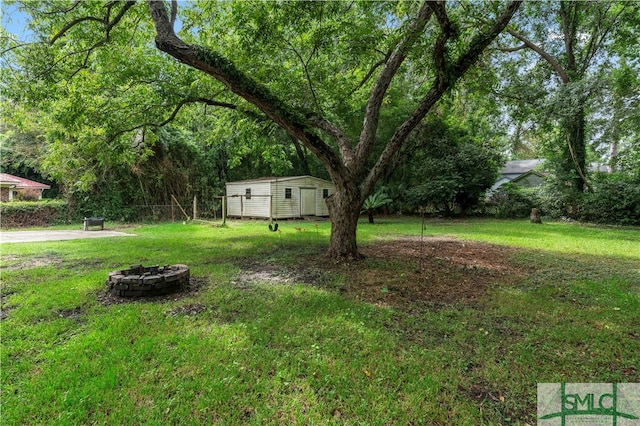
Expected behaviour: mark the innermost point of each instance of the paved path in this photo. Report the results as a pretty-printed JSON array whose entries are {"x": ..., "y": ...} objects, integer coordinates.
[{"x": 44, "y": 235}]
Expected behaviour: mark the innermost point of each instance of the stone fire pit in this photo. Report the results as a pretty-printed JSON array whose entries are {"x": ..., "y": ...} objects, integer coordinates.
[{"x": 141, "y": 281}]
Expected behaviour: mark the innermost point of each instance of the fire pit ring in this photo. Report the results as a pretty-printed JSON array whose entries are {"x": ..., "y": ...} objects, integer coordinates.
[{"x": 141, "y": 281}]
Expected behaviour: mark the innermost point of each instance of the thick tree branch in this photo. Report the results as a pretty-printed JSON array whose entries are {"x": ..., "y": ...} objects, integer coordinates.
[
  {"x": 439, "y": 8},
  {"x": 440, "y": 47},
  {"x": 174, "y": 12},
  {"x": 242, "y": 85},
  {"x": 344, "y": 142},
  {"x": 547, "y": 57},
  {"x": 569, "y": 31},
  {"x": 454, "y": 72},
  {"x": 396, "y": 58}
]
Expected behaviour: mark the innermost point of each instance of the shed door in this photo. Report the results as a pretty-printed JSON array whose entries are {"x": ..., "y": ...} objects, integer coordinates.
[{"x": 307, "y": 202}]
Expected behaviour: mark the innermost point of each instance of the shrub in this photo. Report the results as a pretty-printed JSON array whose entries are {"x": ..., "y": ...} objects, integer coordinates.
[
  {"x": 446, "y": 168},
  {"x": 511, "y": 201},
  {"x": 615, "y": 200},
  {"x": 18, "y": 214}
]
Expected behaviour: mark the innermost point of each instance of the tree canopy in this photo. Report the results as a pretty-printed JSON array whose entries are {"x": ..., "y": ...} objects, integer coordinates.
[
  {"x": 560, "y": 77},
  {"x": 324, "y": 72}
]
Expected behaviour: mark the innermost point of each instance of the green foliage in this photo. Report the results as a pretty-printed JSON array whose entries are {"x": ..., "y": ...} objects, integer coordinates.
[
  {"x": 511, "y": 201},
  {"x": 576, "y": 103},
  {"x": 19, "y": 214},
  {"x": 447, "y": 168},
  {"x": 615, "y": 200},
  {"x": 328, "y": 73},
  {"x": 175, "y": 167},
  {"x": 375, "y": 201}
]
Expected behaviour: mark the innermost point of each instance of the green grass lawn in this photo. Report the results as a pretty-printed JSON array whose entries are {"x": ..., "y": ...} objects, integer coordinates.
[{"x": 295, "y": 353}]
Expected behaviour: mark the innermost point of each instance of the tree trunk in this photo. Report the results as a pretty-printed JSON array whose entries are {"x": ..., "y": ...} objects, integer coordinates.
[
  {"x": 575, "y": 150},
  {"x": 344, "y": 211},
  {"x": 370, "y": 211}
]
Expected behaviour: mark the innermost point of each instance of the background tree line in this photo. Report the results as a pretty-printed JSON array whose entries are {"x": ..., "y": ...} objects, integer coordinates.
[{"x": 103, "y": 116}]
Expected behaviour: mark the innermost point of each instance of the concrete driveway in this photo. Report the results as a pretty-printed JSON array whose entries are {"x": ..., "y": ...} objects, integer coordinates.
[{"x": 44, "y": 235}]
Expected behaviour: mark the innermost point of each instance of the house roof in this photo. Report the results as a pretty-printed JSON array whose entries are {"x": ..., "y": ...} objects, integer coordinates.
[
  {"x": 520, "y": 166},
  {"x": 273, "y": 179},
  {"x": 18, "y": 182}
]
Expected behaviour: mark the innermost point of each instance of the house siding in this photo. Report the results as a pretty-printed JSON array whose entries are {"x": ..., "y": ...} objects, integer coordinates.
[{"x": 529, "y": 180}]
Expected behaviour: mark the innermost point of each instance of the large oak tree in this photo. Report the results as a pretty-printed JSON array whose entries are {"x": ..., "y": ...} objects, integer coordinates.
[{"x": 322, "y": 71}]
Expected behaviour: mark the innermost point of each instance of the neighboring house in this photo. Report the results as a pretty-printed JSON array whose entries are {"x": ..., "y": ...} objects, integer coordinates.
[
  {"x": 14, "y": 187},
  {"x": 521, "y": 173},
  {"x": 279, "y": 197},
  {"x": 529, "y": 173}
]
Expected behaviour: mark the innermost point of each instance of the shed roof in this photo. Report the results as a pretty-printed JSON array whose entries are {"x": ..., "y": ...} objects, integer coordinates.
[
  {"x": 273, "y": 179},
  {"x": 21, "y": 182}
]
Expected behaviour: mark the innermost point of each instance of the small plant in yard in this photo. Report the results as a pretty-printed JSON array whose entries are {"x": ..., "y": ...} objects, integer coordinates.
[
  {"x": 375, "y": 201},
  {"x": 271, "y": 334}
]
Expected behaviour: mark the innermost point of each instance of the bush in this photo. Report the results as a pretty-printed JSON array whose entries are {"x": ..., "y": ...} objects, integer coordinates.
[
  {"x": 511, "y": 201},
  {"x": 109, "y": 202},
  {"x": 19, "y": 214},
  {"x": 615, "y": 200},
  {"x": 448, "y": 169}
]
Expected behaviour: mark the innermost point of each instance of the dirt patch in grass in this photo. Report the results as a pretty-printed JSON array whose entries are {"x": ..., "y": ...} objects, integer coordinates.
[
  {"x": 187, "y": 310},
  {"x": 4, "y": 312},
  {"x": 195, "y": 284},
  {"x": 75, "y": 314},
  {"x": 34, "y": 262},
  {"x": 253, "y": 273},
  {"x": 410, "y": 273}
]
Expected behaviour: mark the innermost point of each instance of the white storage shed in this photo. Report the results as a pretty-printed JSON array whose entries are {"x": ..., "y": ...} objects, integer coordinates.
[{"x": 279, "y": 197}]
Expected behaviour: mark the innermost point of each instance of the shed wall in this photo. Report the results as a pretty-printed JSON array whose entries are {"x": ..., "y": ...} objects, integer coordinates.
[
  {"x": 257, "y": 206},
  {"x": 282, "y": 207},
  {"x": 286, "y": 208}
]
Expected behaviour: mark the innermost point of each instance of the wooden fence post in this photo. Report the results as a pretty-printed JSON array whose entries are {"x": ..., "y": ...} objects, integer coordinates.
[
  {"x": 195, "y": 207},
  {"x": 224, "y": 209}
]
